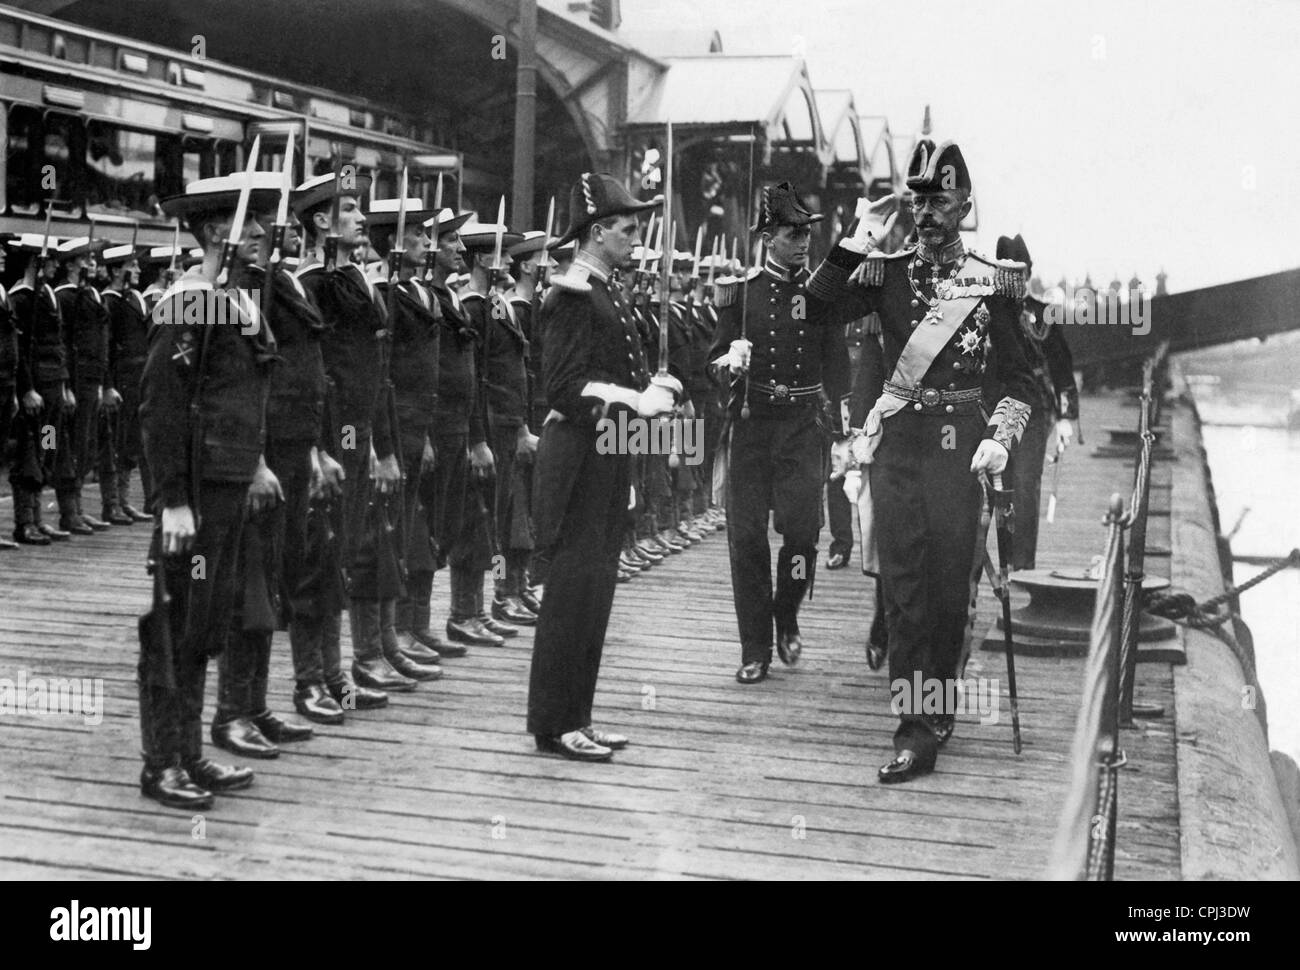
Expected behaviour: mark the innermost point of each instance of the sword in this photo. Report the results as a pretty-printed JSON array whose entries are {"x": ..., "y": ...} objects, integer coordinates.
[
  {"x": 176, "y": 249},
  {"x": 646, "y": 246},
  {"x": 1056, "y": 478},
  {"x": 744, "y": 274},
  {"x": 241, "y": 213},
  {"x": 1003, "y": 511},
  {"x": 713, "y": 262},
  {"x": 695, "y": 265},
  {"x": 399, "y": 244},
  {"x": 665, "y": 261}
]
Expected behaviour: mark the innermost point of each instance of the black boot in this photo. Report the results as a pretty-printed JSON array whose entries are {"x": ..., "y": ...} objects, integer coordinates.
[
  {"x": 233, "y": 728},
  {"x": 369, "y": 668},
  {"x": 274, "y": 729},
  {"x": 123, "y": 498},
  {"x": 25, "y": 531},
  {"x": 97, "y": 525},
  {"x": 392, "y": 648}
]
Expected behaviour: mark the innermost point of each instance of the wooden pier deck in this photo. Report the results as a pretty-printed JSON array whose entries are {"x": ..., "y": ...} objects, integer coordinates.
[{"x": 722, "y": 781}]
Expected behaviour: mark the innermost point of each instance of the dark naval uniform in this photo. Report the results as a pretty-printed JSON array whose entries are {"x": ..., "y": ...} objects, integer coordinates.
[
  {"x": 202, "y": 419},
  {"x": 42, "y": 367},
  {"x": 1056, "y": 397},
  {"x": 86, "y": 338},
  {"x": 278, "y": 590},
  {"x": 128, "y": 346},
  {"x": 9, "y": 405},
  {"x": 581, "y": 495},
  {"x": 776, "y": 455},
  {"x": 926, "y": 501}
]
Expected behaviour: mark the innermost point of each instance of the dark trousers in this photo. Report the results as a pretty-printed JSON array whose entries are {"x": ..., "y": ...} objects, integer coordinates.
[
  {"x": 839, "y": 515},
  {"x": 775, "y": 467},
  {"x": 511, "y": 518},
  {"x": 926, "y": 504},
  {"x": 583, "y": 556},
  {"x": 204, "y": 592},
  {"x": 1027, "y": 478},
  {"x": 84, "y": 430},
  {"x": 40, "y": 456}
]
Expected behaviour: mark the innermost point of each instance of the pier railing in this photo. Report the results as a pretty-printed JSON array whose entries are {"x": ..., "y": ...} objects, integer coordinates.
[{"x": 1084, "y": 848}]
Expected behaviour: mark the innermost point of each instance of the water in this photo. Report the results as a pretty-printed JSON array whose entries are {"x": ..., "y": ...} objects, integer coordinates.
[{"x": 1258, "y": 468}]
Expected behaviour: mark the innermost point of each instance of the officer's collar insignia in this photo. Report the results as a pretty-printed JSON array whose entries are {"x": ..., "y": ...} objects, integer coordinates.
[{"x": 950, "y": 253}]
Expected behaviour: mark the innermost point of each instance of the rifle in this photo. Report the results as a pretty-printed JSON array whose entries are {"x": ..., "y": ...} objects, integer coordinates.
[
  {"x": 278, "y": 230},
  {"x": 332, "y": 237},
  {"x": 395, "y": 255}
]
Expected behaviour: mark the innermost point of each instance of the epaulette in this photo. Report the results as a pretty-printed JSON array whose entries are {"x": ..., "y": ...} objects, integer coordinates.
[
  {"x": 725, "y": 288},
  {"x": 574, "y": 281},
  {"x": 873, "y": 266},
  {"x": 1010, "y": 278}
]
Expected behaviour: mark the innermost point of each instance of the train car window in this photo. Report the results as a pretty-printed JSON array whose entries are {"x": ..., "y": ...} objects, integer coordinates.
[
  {"x": 42, "y": 149},
  {"x": 121, "y": 171}
]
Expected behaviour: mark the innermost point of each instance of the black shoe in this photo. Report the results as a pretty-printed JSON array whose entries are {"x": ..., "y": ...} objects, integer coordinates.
[
  {"x": 98, "y": 525},
  {"x": 532, "y": 599},
  {"x": 752, "y": 673},
  {"x": 407, "y": 667},
  {"x": 837, "y": 560},
  {"x": 511, "y": 610},
  {"x": 315, "y": 704},
  {"x": 646, "y": 551},
  {"x": 29, "y": 535},
  {"x": 496, "y": 627},
  {"x": 116, "y": 516},
  {"x": 50, "y": 532},
  {"x": 428, "y": 638},
  {"x": 379, "y": 674},
  {"x": 240, "y": 736},
  {"x": 351, "y": 697},
  {"x": 174, "y": 788},
  {"x": 135, "y": 513},
  {"x": 942, "y": 725},
  {"x": 216, "y": 777},
  {"x": 413, "y": 649},
  {"x": 73, "y": 527},
  {"x": 473, "y": 632},
  {"x": 877, "y": 643},
  {"x": 789, "y": 648},
  {"x": 904, "y": 767},
  {"x": 615, "y": 742},
  {"x": 575, "y": 746},
  {"x": 280, "y": 731},
  {"x": 6, "y": 544}
]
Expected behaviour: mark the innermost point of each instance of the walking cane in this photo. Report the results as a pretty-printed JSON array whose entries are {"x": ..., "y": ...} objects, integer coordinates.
[{"x": 1000, "y": 504}]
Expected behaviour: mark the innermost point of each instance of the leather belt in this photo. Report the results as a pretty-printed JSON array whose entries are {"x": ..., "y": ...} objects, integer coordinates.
[
  {"x": 933, "y": 397},
  {"x": 783, "y": 393}
]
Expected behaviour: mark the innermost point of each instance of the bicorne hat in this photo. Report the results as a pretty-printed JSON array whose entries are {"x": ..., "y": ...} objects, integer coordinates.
[{"x": 596, "y": 196}]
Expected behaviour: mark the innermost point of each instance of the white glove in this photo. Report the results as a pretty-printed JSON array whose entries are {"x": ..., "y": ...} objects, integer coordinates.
[
  {"x": 668, "y": 382},
  {"x": 853, "y": 485},
  {"x": 841, "y": 459},
  {"x": 1064, "y": 431},
  {"x": 860, "y": 449},
  {"x": 654, "y": 400},
  {"x": 875, "y": 219},
  {"x": 990, "y": 457},
  {"x": 738, "y": 356}
]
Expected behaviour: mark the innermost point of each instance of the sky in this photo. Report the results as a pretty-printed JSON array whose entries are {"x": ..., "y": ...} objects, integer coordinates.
[{"x": 1117, "y": 137}]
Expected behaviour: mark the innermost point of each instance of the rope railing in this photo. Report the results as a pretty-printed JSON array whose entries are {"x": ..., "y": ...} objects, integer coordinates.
[{"x": 1084, "y": 848}]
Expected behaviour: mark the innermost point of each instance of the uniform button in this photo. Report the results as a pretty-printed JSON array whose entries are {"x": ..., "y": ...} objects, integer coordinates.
[
  {"x": 916, "y": 303},
  {"x": 773, "y": 300},
  {"x": 801, "y": 333},
  {"x": 771, "y": 333},
  {"x": 957, "y": 364},
  {"x": 948, "y": 409},
  {"x": 915, "y": 322},
  {"x": 800, "y": 349},
  {"x": 916, "y": 406},
  {"x": 952, "y": 386}
]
